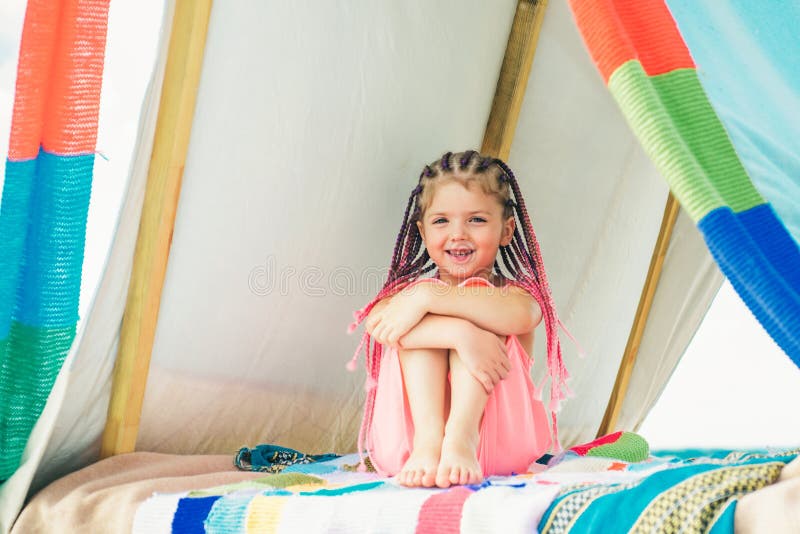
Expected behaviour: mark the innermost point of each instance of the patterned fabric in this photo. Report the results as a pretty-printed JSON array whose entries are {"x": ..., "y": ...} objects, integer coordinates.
[
  {"x": 274, "y": 458},
  {"x": 696, "y": 495},
  {"x": 625, "y": 446},
  {"x": 657, "y": 495}
]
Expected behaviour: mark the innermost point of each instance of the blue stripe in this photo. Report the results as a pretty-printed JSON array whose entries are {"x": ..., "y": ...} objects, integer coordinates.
[
  {"x": 191, "y": 514},
  {"x": 748, "y": 64},
  {"x": 14, "y": 217},
  {"x": 780, "y": 250},
  {"x": 762, "y": 266},
  {"x": 228, "y": 514},
  {"x": 51, "y": 281},
  {"x": 724, "y": 523}
]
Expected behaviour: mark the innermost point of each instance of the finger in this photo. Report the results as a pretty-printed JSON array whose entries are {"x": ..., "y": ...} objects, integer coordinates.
[
  {"x": 502, "y": 372},
  {"x": 487, "y": 383},
  {"x": 392, "y": 337},
  {"x": 372, "y": 322},
  {"x": 502, "y": 347},
  {"x": 378, "y": 333},
  {"x": 495, "y": 377}
]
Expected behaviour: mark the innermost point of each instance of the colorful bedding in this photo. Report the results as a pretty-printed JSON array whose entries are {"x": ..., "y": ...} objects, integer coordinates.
[{"x": 581, "y": 494}]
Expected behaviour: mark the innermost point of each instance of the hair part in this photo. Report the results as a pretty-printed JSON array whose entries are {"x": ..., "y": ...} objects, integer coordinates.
[{"x": 468, "y": 170}]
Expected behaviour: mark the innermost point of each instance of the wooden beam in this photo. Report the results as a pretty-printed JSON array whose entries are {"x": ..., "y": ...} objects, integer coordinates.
[
  {"x": 513, "y": 79},
  {"x": 173, "y": 127},
  {"x": 640, "y": 320}
]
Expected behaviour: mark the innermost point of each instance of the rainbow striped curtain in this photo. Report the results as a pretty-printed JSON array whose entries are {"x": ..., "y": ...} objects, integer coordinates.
[
  {"x": 711, "y": 132},
  {"x": 45, "y": 202}
]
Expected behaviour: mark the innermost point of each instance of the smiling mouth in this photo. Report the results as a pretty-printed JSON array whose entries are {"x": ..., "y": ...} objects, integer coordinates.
[{"x": 459, "y": 254}]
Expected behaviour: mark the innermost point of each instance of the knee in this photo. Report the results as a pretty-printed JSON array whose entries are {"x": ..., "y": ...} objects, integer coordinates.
[{"x": 404, "y": 354}]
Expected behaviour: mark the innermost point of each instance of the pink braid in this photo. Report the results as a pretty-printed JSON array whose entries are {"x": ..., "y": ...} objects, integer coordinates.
[{"x": 522, "y": 257}]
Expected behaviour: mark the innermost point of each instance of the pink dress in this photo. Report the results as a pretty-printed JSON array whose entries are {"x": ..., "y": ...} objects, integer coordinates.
[{"x": 514, "y": 431}]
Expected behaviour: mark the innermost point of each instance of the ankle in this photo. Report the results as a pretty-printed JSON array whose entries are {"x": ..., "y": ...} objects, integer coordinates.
[
  {"x": 428, "y": 437},
  {"x": 461, "y": 433}
]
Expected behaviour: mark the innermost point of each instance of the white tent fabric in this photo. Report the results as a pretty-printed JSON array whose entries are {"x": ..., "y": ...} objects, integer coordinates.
[{"x": 311, "y": 126}]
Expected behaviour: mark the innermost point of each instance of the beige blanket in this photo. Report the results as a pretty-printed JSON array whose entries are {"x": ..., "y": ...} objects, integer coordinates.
[{"x": 103, "y": 497}]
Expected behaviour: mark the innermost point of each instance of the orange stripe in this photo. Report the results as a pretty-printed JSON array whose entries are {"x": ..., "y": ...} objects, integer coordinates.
[
  {"x": 39, "y": 35},
  {"x": 616, "y": 31},
  {"x": 71, "y": 117},
  {"x": 59, "y": 76}
]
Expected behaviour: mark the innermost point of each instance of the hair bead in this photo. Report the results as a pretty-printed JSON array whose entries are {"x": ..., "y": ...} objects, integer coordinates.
[
  {"x": 466, "y": 158},
  {"x": 446, "y": 162}
]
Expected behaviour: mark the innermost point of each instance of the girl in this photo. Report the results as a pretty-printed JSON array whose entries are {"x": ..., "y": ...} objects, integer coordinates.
[{"x": 450, "y": 399}]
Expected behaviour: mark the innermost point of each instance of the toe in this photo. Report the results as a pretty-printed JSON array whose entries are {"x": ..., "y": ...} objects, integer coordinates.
[
  {"x": 442, "y": 478},
  {"x": 402, "y": 478},
  {"x": 417, "y": 479},
  {"x": 455, "y": 475},
  {"x": 476, "y": 477},
  {"x": 429, "y": 478}
]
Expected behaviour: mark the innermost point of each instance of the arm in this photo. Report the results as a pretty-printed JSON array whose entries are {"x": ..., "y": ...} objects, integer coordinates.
[
  {"x": 483, "y": 352},
  {"x": 437, "y": 332},
  {"x": 504, "y": 311}
]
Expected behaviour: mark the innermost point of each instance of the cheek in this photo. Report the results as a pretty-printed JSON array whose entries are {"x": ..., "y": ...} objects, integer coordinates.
[{"x": 435, "y": 236}]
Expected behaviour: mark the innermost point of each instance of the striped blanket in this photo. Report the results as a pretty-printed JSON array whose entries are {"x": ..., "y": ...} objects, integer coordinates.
[{"x": 579, "y": 495}]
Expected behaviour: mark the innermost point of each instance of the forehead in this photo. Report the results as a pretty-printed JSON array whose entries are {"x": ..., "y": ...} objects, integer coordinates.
[{"x": 454, "y": 196}]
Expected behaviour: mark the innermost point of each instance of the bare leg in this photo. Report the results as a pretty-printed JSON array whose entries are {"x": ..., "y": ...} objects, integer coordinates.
[
  {"x": 459, "y": 460},
  {"x": 774, "y": 509},
  {"x": 425, "y": 379},
  {"x": 790, "y": 470}
]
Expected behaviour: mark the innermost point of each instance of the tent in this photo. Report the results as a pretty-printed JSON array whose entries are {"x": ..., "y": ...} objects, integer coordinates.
[{"x": 276, "y": 147}]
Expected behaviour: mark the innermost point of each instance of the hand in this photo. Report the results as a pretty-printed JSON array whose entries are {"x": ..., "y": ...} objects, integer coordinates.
[
  {"x": 484, "y": 354},
  {"x": 401, "y": 314}
]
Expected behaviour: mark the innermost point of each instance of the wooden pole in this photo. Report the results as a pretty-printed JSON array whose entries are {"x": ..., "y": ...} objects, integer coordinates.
[
  {"x": 513, "y": 79},
  {"x": 640, "y": 320},
  {"x": 173, "y": 128}
]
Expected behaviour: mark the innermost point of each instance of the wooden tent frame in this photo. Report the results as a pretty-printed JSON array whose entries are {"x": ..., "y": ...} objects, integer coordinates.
[
  {"x": 164, "y": 175},
  {"x": 173, "y": 128}
]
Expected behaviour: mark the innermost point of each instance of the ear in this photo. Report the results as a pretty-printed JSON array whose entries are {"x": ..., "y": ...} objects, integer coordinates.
[
  {"x": 508, "y": 231},
  {"x": 421, "y": 230}
]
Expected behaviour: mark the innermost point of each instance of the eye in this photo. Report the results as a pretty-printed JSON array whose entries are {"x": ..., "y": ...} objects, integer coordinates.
[
  {"x": 478, "y": 219},
  {"x": 439, "y": 220}
]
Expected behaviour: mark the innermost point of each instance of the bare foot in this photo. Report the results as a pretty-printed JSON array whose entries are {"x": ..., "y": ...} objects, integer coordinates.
[
  {"x": 421, "y": 467},
  {"x": 459, "y": 462}
]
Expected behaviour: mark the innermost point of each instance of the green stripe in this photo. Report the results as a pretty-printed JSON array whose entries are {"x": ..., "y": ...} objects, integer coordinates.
[
  {"x": 31, "y": 360},
  {"x": 672, "y": 117}
]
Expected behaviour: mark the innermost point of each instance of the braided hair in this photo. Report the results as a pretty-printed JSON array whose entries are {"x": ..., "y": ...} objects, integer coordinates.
[{"x": 521, "y": 260}]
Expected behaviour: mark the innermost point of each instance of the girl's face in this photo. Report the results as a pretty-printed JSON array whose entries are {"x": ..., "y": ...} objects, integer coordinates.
[{"x": 463, "y": 229}]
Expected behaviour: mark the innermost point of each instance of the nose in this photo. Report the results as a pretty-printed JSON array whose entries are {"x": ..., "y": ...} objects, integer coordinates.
[{"x": 457, "y": 231}]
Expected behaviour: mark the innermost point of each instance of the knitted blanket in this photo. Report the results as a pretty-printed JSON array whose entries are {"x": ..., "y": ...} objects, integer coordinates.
[{"x": 581, "y": 494}]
